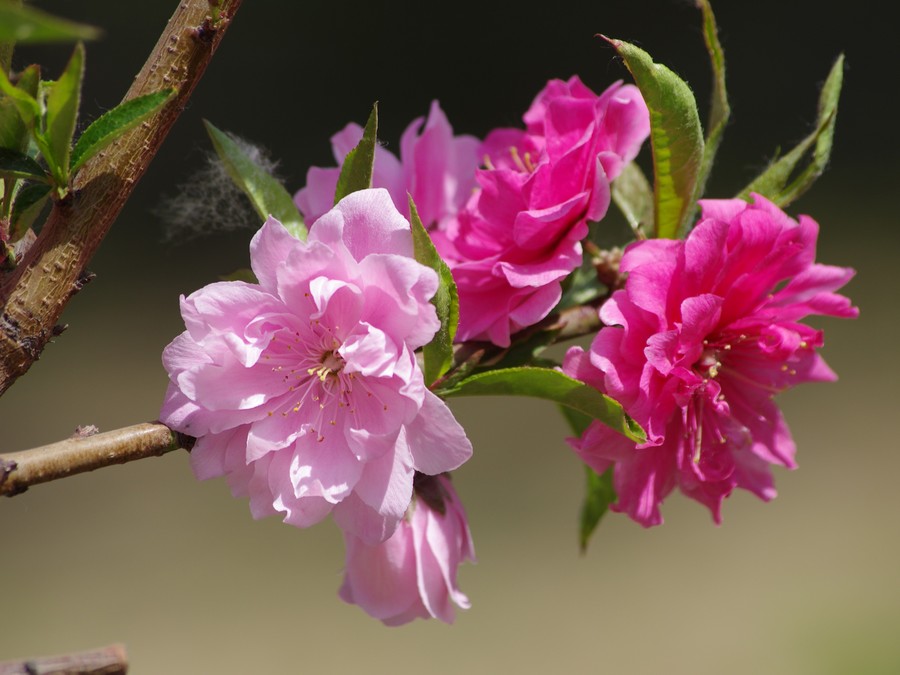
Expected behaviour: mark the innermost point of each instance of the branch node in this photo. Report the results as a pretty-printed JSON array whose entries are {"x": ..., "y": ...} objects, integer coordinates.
[
  {"x": 84, "y": 278},
  {"x": 205, "y": 33},
  {"x": 7, "y": 466},
  {"x": 185, "y": 441},
  {"x": 86, "y": 430}
]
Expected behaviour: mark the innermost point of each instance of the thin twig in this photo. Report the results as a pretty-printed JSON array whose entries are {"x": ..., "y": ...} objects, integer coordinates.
[
  {"x": 110, "y": 660},
  {"x": 21, "y": 470},
  {"x": 33, "y": 296}
]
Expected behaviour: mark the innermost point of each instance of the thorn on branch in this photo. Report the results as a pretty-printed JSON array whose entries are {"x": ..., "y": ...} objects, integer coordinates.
[{"x": 59, "y": 329}]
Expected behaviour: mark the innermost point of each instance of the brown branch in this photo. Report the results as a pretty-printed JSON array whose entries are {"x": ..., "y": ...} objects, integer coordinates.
[
  {"x": 110, "y": 660},
  {"x": 21, "y": 470},
  {"x": 32, "y": 296}
]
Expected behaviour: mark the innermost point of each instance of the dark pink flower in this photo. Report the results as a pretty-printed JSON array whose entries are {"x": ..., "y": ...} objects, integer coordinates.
[
  {"x": 412, "y": 575},
  {"x": 704, "y": 334},
  {"x": 304, "y": 389},
  {"x": 435, "y": 167},
  {"x": 520, "y": 234}
]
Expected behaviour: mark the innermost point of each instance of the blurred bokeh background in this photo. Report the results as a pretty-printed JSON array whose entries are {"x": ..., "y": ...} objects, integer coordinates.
[{"x": 176, "y": 569}]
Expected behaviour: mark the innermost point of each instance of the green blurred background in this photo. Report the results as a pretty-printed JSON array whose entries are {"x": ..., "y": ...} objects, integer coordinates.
[{"x": 176, "y": 569}]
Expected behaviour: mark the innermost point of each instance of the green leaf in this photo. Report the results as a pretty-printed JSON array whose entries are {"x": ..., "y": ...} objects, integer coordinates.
[
  {"x": 599, "y": 491},
  {"x": 19, "y": 165},
  {"x": 7, "y": 45},
  {"x": 633, "y": 195},
  {"x": 439, "y": 352},
  {"x": 30, "y": 201},
  {"x": 23, "y": 97},
  {"x": 599, "y": 494},
  {"x": 28, "y": 25},
  {"x": 720, "y": 110},
  {"x": 13, "y": 129},
  {"x": 775, "y": 182},
  {"x": 527, "y": 348},
  {"x": 551, "y": 385},
  {"x": 356, "y": 172},
  {"x": 62, "y": 112},
  {"x": 267, "y": 195},
  {"x": 676, "y": 138},
  {"x": 112, "y": 124}
]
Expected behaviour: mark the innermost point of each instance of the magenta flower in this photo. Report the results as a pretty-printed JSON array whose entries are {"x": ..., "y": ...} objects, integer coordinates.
[
  {"x": 702, "y": 337},
  {"x": 520, "y": 234},
  {"x": 303, "y": 389},
  {"x": 435, "y": 167},
  {"x": 413, "y": 574}
]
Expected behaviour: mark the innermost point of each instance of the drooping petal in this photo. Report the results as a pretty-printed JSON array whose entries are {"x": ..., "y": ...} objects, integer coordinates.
[{"x": 436, "y": 440}]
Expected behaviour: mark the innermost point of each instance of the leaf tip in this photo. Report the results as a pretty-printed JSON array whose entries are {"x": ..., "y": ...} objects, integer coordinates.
[{"x": 616, "y": 44}]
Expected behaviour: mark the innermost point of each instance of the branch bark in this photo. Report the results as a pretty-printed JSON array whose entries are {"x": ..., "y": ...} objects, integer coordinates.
[
  {"x": 110, "y": 660},
  {"x": 33, "y": 296},
  {"x": 21, "y": 470}
]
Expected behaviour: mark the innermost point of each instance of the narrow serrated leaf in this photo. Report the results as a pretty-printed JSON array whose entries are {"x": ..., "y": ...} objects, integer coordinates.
[
  {"x": 632, "y": 194},
  {"x": 13, "y": 129},
  {"x": 578, "y": 421},
  {"x": 29, "y": 25},
  {"x": 599, "y": 494},
  {"x": 439, "y": 352},
  {"x": 8, "y": 44},
  {"x": 526, "y": 349},
  {"x": 599, "y": 491},
  {"x": 775, "y": 182},
  {"x": 20, "y": 165},
  {"x": 267, "y": 195},
  {"x": 676, "y": 138},
  {"x": 62, "y": 113},
  {"x": 29, "y": 202},
  {"x": 112, "y": 124},
  {"x": 356, "y": 171},
  {"x": 551, "y": 385},
  {"x": 25, "y": 101},
  {"x": 720, "y": 109}
]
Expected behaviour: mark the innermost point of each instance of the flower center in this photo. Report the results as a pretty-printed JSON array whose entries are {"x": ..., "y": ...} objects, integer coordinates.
[
  {"x": 332, "y": 363},
  {"x": 708, "y": 364},
  {"x": 523, "y": 163}
]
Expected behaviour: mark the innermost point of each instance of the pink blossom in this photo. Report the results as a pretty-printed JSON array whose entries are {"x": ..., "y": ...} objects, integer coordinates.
[
  {"x": 413, "y": 574},
  {"x": 520, "y": 234},
  {"x": 704, "y": 334},
  {"x": 304, "y": 389},
  {"x": 435, "y": 167}
]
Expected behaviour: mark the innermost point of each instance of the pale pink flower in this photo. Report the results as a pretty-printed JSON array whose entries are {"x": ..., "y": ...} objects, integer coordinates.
[
  {"x": 704, "y": 334},
  {"x": 520, "y": 234},
  {"x": 435, "y": 167},
  {"x": 303, "y": 389},
  {"x": 413, "y": 574}
]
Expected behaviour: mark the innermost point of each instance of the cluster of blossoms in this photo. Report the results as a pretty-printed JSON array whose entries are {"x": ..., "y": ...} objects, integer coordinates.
[
  {"x": 305, "y": 392},
  {"x": 698, "y": 342},
  {"x": 520, "y": 234},
  {"x": 511, "y": 231}
]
